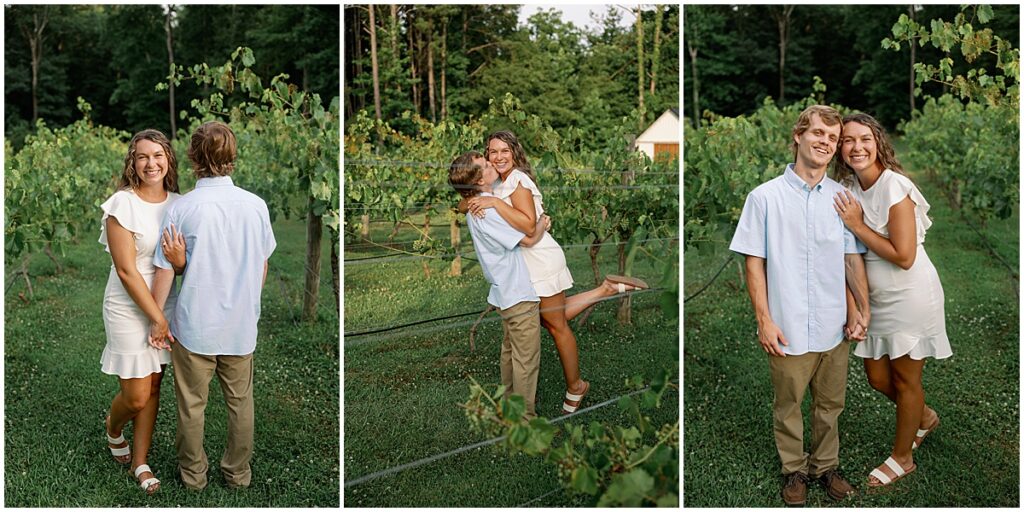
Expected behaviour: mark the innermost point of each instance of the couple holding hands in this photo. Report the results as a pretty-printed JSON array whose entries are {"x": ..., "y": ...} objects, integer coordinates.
[
  {"x": 218, "y": 238},
  {"x": 826, "y": 253}
]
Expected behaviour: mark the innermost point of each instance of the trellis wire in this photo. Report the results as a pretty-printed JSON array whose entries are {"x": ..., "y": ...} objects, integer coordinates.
[
  {"x": 352, "y": 343},
  {"x": 400, "y": 163},
  {"x": 433, "y": 458}
]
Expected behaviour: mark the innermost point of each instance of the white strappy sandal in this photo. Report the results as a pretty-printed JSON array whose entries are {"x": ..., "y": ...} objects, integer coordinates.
[
  {"x": 572, "y": 397},
  {"x": 625, "y": 284},
  {"x": 149, "y": 482},
  {"x": 123, "y": 451},
  {"x": 897, "y": 470},
  {"x": 923, "y": 432}
]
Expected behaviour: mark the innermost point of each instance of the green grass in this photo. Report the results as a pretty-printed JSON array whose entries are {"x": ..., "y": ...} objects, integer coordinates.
[
  {"x": 56, "y": 397},
  {"x": 401, "y": 389},
  {"x": 971, "y": 460}
]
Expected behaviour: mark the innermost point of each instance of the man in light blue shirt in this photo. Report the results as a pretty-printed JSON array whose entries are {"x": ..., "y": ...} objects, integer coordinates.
[
  {"x": 228, "y": 242},
  {"x": 799, "y": 259},
  {"x": 511, "y": 291}
]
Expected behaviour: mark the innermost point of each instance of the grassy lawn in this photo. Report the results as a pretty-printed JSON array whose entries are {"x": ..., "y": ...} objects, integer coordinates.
[
  {"x": 56, "y": 397},
  {"x": 401, "y": 388},
  {"x": 972, "y": 459}
]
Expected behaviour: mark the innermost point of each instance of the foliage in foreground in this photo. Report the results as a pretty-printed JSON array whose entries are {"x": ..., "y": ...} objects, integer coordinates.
[{"x": 615, "y": 465}]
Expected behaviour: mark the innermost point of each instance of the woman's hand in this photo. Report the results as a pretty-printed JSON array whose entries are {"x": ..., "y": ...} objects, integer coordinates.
[
  {"x": 849, "y": 209},
  {"x": 478, "y": 204},
  {"x": 160, "y": 336},
  {"x": 173, "y": 243},
  {"x": 545, "y": 222}
]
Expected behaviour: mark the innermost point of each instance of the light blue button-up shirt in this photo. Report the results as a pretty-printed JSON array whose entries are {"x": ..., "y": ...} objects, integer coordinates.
[
  {"x": 497, "y": 248},
  {"x": 797, "y": 230},
  {"x": 228, "y": 240}
]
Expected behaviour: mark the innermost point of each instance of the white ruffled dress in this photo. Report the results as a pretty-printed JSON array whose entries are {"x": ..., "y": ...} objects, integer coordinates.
[
  {"x": 545, "y": 260},
  {"x": 128, "y": 353},
  {"x": 907, "y": 306}
]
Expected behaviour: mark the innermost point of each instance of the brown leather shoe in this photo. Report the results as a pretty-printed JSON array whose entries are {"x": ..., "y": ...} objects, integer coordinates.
[
  {"x": 835, "y": 485},
  {"x": 794, "y": 491}
]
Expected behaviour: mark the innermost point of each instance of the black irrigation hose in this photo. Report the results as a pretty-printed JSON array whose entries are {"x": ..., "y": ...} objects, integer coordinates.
[
  {"x": 712, "y": 280},
  {"x": 396, "y": 327}
]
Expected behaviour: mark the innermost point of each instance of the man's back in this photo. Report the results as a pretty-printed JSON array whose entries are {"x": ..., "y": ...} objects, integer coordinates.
[{"x": 229, "y": 239}]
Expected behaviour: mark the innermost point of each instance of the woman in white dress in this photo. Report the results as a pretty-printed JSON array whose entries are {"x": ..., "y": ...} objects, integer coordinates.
[
  {"x": 130, "y": 232},
  {"x": 518, "y": 200},
  {"x": 887, "y": 212}
]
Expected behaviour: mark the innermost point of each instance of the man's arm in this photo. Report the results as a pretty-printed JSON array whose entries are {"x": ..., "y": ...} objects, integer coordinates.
[
  {"x": 768, "y": 333},
  {"x": 159, "y": 334},
  {"x": 857, "y": 283},
  {"x": 543, "y": 224}
]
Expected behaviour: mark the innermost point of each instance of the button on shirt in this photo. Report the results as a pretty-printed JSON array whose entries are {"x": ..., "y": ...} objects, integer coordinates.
[
  {"x": 497, "y": 248},
  {"x": 228, "y": 240},
  {"x": 797, "y": 230}
]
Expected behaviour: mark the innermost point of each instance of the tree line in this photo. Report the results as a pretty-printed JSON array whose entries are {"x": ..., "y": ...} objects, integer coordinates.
[
  {"x": 737, "y": 55},
  {"x": 113, "y": 56},
  {"x": 449, "y": 61}
]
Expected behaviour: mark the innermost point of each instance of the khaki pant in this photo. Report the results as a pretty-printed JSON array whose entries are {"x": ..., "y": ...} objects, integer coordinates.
[
  {"x": 192, "y": 374},
  {"x": 825, "y": 372},
  {"x": 520, "y": 352}
]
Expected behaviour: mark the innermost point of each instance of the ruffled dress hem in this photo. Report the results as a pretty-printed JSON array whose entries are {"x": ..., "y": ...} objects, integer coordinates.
[
  {"x": 554, "y": 284},
  {"x": 898, "y": 345},
  {"x": 134, "y": 365}
]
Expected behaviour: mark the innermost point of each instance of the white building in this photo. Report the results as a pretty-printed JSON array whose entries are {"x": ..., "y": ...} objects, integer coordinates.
[{"x": 661, "y": 139}]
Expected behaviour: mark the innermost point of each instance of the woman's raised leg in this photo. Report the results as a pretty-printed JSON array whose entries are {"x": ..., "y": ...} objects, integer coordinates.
[{"x": 578, "y": 303}]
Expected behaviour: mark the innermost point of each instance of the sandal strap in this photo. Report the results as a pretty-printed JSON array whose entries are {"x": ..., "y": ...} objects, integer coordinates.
[
  {"x": 149, "y": 482},
  {"x": 569, "y": 408},
  {"x": 116, "y": 440},
  {"x": 882, "y": 477},
  {"x": 142, "y": 469},
  {"x": 921, "y": 432},
  {"x": 895, "y": 467},
  {"x": 120, "y": 452},
  {"x": 574, "y": 398}
]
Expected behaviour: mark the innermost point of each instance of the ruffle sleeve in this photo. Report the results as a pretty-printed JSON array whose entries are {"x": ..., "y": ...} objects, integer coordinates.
[
  {"x": 894, "y": 188},
  {"x": 122, "y": 207},
  {"x": 515, "y": 179}
]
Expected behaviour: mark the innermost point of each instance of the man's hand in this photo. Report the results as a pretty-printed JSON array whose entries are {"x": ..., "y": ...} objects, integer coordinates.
[
  {"x": 545, "y": 223},
  {"x": 160, "y": 336},
  {"x": 856, "y": 325},
  {"x": 770, "y": 336}
]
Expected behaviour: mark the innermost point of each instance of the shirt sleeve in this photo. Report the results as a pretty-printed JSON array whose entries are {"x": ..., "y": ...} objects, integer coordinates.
[
  {"x": 852, "y": 244},
  {"x": 121, "y": 208},
  {"x": 751, "y": 237},
  {"x": 500, "y": 230},
  {"x": 159, "y": 259},
  {"x": 269, "y": 242}
]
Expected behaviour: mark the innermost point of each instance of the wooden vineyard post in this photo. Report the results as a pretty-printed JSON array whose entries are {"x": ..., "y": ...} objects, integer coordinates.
[
  {"x": 472, "y": 330},
  {"x": 314, "y": 232},
  {"x": 456, "y": 268},
  {"x": 364, "y": 229}
]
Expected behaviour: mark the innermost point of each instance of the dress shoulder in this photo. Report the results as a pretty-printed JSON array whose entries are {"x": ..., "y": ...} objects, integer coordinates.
[
  {"x": 122, "y": 205},
  {"x": 893, "y": 187},
  {"x": 517, "y": 178}
]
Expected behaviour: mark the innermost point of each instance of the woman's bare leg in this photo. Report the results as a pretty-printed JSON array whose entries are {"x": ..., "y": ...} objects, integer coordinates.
[
  {"x": 578, "y": 303},
  {"x": 145, "y": 423},
  {"x": 880, "y": 376},
  {"x": 906, "y": 379},
  {"x": 552, "y": 317},
  {"x": 128, "y": 402}
]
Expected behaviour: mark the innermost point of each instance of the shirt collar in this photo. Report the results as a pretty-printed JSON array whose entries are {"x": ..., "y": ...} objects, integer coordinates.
[
  {"x": 797, "y": 182},
  {"x": 215, "y": 181}
]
